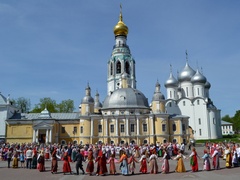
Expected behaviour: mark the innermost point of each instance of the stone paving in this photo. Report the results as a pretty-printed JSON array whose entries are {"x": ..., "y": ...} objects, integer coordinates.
[{"x": 23, "y": 174}]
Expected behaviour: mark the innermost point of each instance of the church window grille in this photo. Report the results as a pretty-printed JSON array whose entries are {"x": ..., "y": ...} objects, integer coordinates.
[
  {"x": 112, "y": 128},
  {"x": 99, "y": 128},
  {"x": 200, "y": 132},
  {"x": 145, "y": 141},
  {"x": 174, "y": 128},
  {"x": 187, "y": 91},
  {"x": 111, "y": 69},
  {"x": 214, "y": 122},
  {"x": 163, "y": 127},
  {"x": 122, "y": 128},
  {"x": 170, "y": 104},
  {"x": 199, "y": 121},
  {"x": 118, "y": 67},
  {"x": 63, "y": 142},
  {"x": 127, "y": 68},
  {"x": 75, "y": 130},
  {"x": 132, "y": 128},
  {"x": 198, "y": 102},
  {"x": 183, "y": 127},
  {"x": 81, "y": 129},
  {"x": 184, "y": 103},
  {"x": 63, "y": 130},
  {"x": 171, "y": 94},
  {"x": 144, "y": 127},
  {"x": 198, "y": 91}
]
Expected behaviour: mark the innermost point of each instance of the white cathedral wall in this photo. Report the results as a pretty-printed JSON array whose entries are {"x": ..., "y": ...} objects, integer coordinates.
[{"x": 3, "y": 117}]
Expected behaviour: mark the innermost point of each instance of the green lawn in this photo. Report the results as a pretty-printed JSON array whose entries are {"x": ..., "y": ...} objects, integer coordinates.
[{"x": 229, "y": 138}]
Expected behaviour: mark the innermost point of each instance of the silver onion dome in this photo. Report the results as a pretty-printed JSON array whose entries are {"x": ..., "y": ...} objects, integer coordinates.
[
  {"x": 171, "y": 81},
  {"x": 207, "y": 85},
  {"x": 198, "y": 78},
  {"x": 87, "y": 99},
  {"x": 186, "y": 74},
  {"x": 126, "y": 98}
]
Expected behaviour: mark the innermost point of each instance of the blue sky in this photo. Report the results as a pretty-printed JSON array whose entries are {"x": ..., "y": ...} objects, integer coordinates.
[{"x": 53, "y": 48}]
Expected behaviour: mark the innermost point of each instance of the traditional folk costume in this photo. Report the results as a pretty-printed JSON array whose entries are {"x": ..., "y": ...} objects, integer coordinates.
[
  {"x": 124, "y": 164},
  {"x": 111, "y": 161},
  {"x": 54, "y": 163},
  {"x": 228, "y": 157},
  {"x": 215, "y": 157},
  {"x": 153, "y": 163},
  {"x": 206, "y": 161},
  {"x": 41, "y": 162},
  {"x": 34, "y": 161},
  {"x": 132, "y": 163},
  {"x": 66, "y": 165},
  {"x": 143, "y": 165},
  {"x": 90, "y": 163},
  {"x": 15, "y": 160},
  {"x": 165, "y": 164},
  {"x": 180, "y": 165},
  {"x": 47, "y": 153},
  {"x": 101, "y": 163},
  {"x": 22, "y": 160},
  {"x": 137, "y": 154},
  {"x": 193, "y": 160}
]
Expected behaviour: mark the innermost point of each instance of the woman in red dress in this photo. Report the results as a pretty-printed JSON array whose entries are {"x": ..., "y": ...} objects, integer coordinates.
[
  {"x": 143, "y": 165},
  {"x": 41, "y": 162},
  {"x": 66, "y": 165},
  {"x": 90, "y": 165},
  {"x": 193, "y": 160}
]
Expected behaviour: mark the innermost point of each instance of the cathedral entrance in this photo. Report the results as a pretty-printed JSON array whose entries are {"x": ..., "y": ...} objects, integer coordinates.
[{"x": 42, "y": 138}]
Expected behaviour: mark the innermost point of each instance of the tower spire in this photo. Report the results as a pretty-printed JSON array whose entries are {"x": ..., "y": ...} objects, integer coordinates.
[{"x": 186, "y": 56}]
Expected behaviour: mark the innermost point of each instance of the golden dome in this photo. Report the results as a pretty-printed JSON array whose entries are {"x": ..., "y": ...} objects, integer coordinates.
[{"x": 120, "y": 28}]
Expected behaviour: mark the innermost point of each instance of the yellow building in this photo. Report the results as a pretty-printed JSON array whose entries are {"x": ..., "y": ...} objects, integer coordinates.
[{"x": 124, "y": 117}]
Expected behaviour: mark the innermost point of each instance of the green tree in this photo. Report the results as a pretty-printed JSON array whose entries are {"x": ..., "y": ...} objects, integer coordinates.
[
  {"x": 236, "y": 121},
  {"x": 22, "y": 103},
  {"x": 46, "y": 102},
  {"x": 227, "y": 118},
  {"x": 66, "y": 106}
]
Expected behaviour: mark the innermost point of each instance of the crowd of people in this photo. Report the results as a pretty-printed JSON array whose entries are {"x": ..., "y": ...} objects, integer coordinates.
[{"x": 103, "y": 157}]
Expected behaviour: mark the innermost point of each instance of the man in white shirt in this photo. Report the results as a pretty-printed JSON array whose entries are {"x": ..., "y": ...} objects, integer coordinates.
[{"x": 29, "y": 154}]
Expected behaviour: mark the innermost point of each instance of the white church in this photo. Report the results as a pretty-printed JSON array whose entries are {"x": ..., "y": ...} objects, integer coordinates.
[{"x": 189, "y": 95}]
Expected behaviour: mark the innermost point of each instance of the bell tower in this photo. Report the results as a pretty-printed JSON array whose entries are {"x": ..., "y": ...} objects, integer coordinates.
[{"x": 121, "y": 60}]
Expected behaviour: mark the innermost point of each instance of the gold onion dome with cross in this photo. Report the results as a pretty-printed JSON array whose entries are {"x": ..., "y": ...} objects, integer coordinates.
[{"x": 120, "y": 28}]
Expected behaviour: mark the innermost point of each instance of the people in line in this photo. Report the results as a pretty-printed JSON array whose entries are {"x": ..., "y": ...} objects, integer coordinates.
[{"x": 106, "y": 156}]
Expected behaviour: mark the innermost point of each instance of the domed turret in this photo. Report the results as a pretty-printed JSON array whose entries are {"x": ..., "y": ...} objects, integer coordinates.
[
  {"x": 157, "y": 96},
  {"x": 87, "y": 99},
  {"x": 45, "y": 114},
  {"x": 120, "y": 28},
  {"x": 198, "y": 78},
  {"x": 171, "y": 82},
  {"x": 186, "y": 74}
]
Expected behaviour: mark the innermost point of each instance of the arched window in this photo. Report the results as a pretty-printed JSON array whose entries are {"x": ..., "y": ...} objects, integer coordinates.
[
  {"x": 118, "y": 67},
  {"x": 75, "y": 142},
  {"x": 145, "y": 141},
  {"x": 111, "y": 69},
  {"x": 127, "y": 67},
  {"x": 174, "y": 128}
]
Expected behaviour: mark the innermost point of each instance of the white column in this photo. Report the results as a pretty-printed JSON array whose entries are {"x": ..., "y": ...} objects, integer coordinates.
[
  {"x": 116, "y": 124},
  {"x": 180, "y": 127},
  {"x": 34, "y": 136},
  {"x": 106, "y": 127},
  {"x": 37, "y": 136},
  {"x": 92, "y": 127},
  {"x": 50, "y": 135},
  {"x": 152, "y": 124},
  {"x": 127, "y": 127},
  {"x": 137, "y": 126},
  {"x": 46, "y": 136}
]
